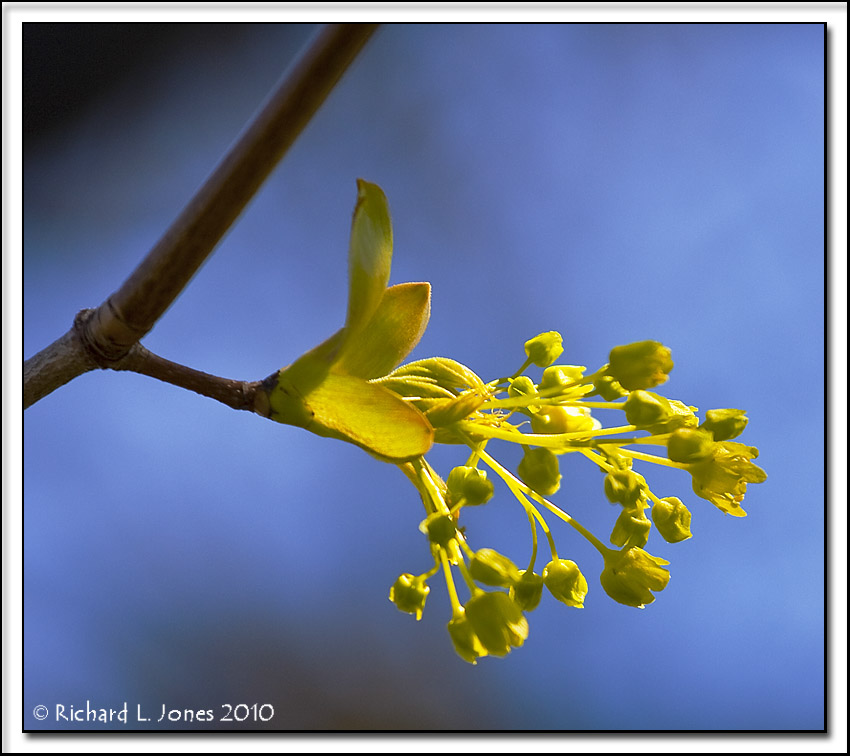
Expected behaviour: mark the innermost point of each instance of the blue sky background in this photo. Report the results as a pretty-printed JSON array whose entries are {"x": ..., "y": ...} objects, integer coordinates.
[{"x": 613, "y": 182}]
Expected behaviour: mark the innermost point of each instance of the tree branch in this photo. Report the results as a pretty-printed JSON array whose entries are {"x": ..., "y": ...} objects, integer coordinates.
[
  {"x": 105, "y": 335},
  {"x": 240, "y": 395},
  {"x": 54, "y": 366}
]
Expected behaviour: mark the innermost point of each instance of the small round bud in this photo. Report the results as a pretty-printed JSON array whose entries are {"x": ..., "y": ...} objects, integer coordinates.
[
  {"x": 552, "y": 418},
  {"x": 468, "y": 485},
  {"x": 527, "y": 591},
  {"x": 565, "y": 582},
  {"x": 657, "y": 414},
  {"x": 631, "y": 529},
  {"x": 632, "y": 574},
  {"x": 544, "y": 349},
  {"x": 645, "y": 408},
  {"x": 439, "y": 528},
  {"x": 689, "y": 445},
  {"x": 539, "y": 470},
  {"x": 608, "y": 388},
  {"x": 497, "y": 621},
  {"x": 672, "y": 519},
  {"x": 641, "y": 365},
  {"x": 409, "y": 593},
  {"x": 464, "y": 639},
  {"x": 522, "y": 385},
  {"x": 724, "y": 424},
  {"x": 560, "y": 375},
  {"x": 549, "y": 419},
  {"x": 492, "y": 568},
  {"x": 625, "y": 487}
]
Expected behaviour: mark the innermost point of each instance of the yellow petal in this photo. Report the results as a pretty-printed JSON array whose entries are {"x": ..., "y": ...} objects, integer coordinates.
[
  {"x": 371, "y": 416},
  {"x": 350, "y": 409},
  {"x": 370, "y": 254},
  {"x": 390, "y": 335},
  {"x": 325, "y": 390}
]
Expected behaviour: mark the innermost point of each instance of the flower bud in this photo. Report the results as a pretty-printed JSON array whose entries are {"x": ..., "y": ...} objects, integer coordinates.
[
  {"x": 658, "y": 414},
  {"x": 689, "y": 445},
  {"x": 468, "y": 485},
  {"x": 416, "y": 387},
  {"x": 672, "y": 519},
  {"x": 722, "y": 476},
  {"x": 631, "y": 574},
  {"x": 539, "y": 470},
  {"x": 615, "y": 458},
  {"x": 645, "y": 408},
  {"x": 625, "y": 487},
  {"x": 560, "y": 375},
  {"x": 640, "y": 365},
  {"x": 497, "y": 621},
  {"x": 608, "y": 388},
  {"x": 450, "y": 411},
  {"x": 465, "y": 641},
  {"x": 544, "y": 349},
  {"x": 724, "y": 424},
  {"x": 522, "y": 385},
  {"x": 527, "y": 591},
  {"x": 631, "y": 529},
  {"x": 565, "y": 582},
  {"x": 552, "y": 418},
  {"x": 492, "y": 568},
  {"x": 679, "y": 416},
  {"x": 409, "y": 593},
  {"x": 439, "y": 528},
  {"x": 442, "y": 372}
]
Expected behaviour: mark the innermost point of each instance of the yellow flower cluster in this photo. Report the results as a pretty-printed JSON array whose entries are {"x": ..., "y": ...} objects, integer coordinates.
[
  {"x": 549, "y": 419},
  {"x": 349, "y": 388}
]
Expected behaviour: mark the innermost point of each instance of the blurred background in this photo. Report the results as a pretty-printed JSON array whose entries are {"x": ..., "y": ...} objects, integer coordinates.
[{"x": 613, "y": 182}]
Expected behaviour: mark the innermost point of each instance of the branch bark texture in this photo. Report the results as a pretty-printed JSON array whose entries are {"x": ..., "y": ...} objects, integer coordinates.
[
  {"x": 104, "y": 336},
  {"x": 240, "y": 395}
]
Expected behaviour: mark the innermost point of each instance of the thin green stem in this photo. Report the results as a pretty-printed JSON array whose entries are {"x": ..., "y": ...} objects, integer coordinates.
[
  {"x": 516, "y": 483},
  {"x": 450, "y": 584},
  {"x": 593, "y": 405},
  {"x": 531, "y": 510},
  {"x": 522, "y": 368},
  {"x": 533, "y": 524},
  {"x": 477, "y": 448},
  {"x": 467, "y": 549},
  {"x": 428, "y": 487},
  {"x": 412, "y": 473},
  {"x": 660, "y": 440},
  {"x": 560, "y": 441},
  {"x": 600, "y": 547},
  {"x": 470, "y": 583},
  {"x": 541, "y": 397},
  {"x": 519, "y": 489},
  {"x": 597, "y": 459},
  {"x": 433, "y": 571},
  {"x": 653, "y": 458}
]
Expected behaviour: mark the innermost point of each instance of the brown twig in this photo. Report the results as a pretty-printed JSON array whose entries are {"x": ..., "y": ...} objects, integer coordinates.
[
  {"x": 240, "y": 395},
  {"x": 102, "y": 337}
]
